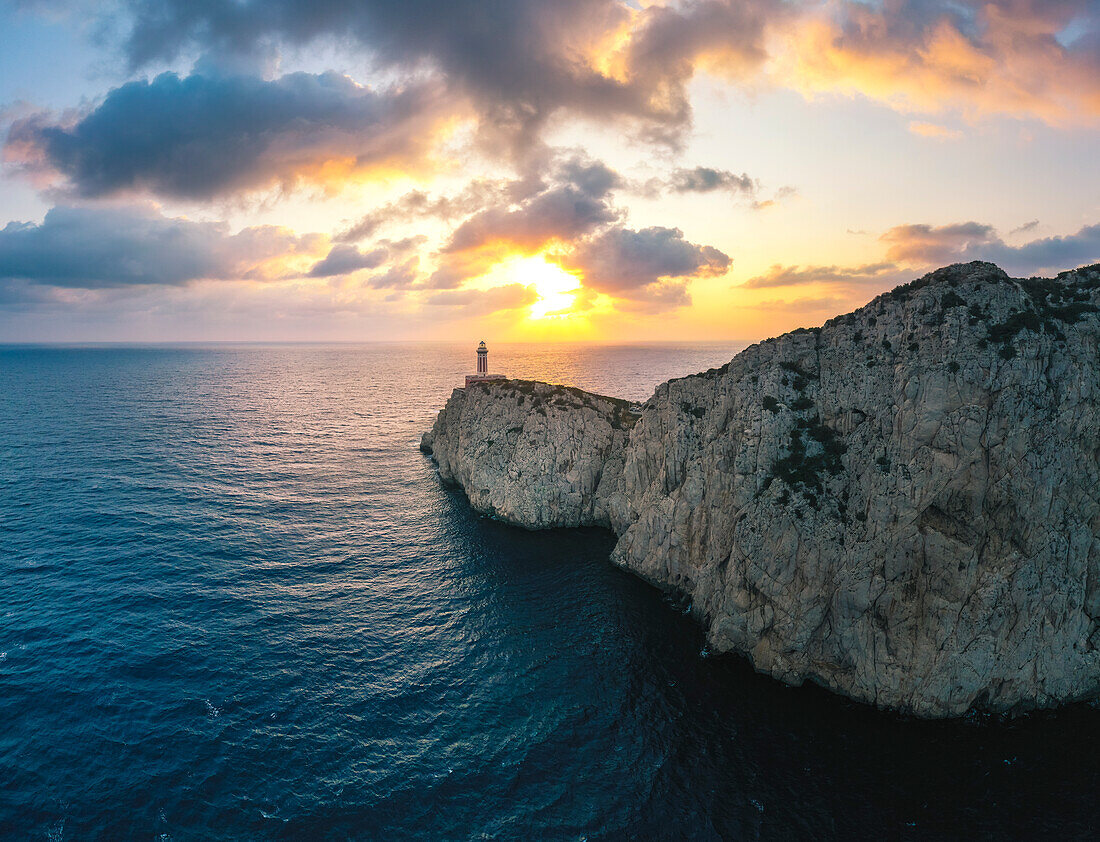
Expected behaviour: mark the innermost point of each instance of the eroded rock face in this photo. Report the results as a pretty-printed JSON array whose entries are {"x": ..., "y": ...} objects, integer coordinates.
[
  {"x": 903, "y": 505},
  {"x": 532, "y": 454}
]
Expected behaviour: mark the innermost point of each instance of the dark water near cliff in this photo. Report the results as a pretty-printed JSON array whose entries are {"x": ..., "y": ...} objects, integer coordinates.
[{"x": 236, "y": 603}]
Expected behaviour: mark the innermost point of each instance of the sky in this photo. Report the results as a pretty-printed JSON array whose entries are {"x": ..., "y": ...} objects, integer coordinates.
[{"x": 528, "y": 170}]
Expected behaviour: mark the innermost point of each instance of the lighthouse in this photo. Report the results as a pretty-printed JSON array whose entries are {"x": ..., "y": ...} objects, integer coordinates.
[{"x": 482, "y": 367}]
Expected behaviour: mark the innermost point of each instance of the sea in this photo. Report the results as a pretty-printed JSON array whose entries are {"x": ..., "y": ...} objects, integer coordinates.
[{"x": 236, "y": 602}]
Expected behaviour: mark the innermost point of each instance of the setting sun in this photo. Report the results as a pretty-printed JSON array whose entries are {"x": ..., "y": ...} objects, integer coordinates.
[{"x": 556, "y": 288}]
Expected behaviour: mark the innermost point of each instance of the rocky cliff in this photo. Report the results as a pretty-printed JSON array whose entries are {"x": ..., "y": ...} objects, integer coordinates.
[
  {"x": 531, "y": 453},
  {"x": 902, "y": 505}
]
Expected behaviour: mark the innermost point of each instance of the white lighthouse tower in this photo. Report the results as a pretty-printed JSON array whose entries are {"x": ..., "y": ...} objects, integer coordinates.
[{"x": 482, "y": 367}]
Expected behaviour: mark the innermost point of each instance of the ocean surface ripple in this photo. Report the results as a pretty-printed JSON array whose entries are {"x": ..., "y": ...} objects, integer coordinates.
[{"x": 236, "y": 603}]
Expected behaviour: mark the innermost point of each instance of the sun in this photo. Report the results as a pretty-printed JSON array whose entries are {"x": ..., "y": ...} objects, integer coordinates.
[{"x": 556, "y": 288}]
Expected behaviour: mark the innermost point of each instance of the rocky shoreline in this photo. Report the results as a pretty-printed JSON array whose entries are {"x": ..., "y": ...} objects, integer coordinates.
[{"x": 902, "y": 505}]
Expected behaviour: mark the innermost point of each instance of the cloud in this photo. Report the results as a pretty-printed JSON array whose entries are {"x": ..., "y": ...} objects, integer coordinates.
[
  {"x": 510, "y": 67},
  {"x": 517, "y": 62},
  {"x": 708, "y": 180},
  {"x": 975, "y": 57},
  {"x": 670, "y": 42},
  {"x": 781, "y": 194},
  {"x": 573, "y": 205},
  {"x": 785, "y": 276},
  {"x": 484, "y": 301},
  {"x": 1022, "y": 229},
  {"x": 572, "y": 219},
  {"x": 936, "y": 132},
  {"x": 199, "y": 137},
  {"x": 649, "y": 266},
  {"x": 522, "y": 61},
  {"x": 1045, "y": 255},
  {"x": 701, "y": 179},
  {"x": 402, "y": 276},
  {"x": 916, "y": 248},
  {"x": 830, "y": 303},
  {"x": 344, "y": 259},
  {"x": 1052, "y": 253},
  {"x": 563, "y": 213},
  {"x": 84, "y": 248},
  {"x": 419, "y": 204},
  {"x": 925, "y": 244}
]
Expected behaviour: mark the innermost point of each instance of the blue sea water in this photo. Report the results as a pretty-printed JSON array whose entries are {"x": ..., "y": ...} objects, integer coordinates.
[{"x": 237, "y": 603}]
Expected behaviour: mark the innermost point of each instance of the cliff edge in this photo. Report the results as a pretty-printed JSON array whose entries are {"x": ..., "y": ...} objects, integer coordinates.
[{"x": 902, "y": 505}]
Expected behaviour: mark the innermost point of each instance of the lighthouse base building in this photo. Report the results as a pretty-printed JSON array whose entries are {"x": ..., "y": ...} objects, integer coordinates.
[{"x": 483, "y": 367}]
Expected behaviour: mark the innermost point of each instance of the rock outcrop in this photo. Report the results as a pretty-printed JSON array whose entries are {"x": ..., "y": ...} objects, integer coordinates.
[
  {"x": 902, "y": 505},
  {"x": 531, "y": 453}
]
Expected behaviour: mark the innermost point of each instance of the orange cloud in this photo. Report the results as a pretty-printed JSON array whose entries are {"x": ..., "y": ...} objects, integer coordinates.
[
  {"x": 215, "y": 136},
  {"x": 779, "y": 275},
  {"x": 484, "y": 301},
  {"x": 934, "y": 131},
  {"x": 926, "y": 244},
  {"x": 1006, "y": 60}
]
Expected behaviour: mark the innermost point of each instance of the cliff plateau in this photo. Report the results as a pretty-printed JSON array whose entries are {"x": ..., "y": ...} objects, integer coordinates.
[{"x": 902, "y": 505}]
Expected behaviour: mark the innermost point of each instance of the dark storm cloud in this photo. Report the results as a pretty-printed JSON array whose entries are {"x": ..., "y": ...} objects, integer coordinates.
[
  {"x": 112, "y": 247},
  {"x": 651, "y": 265},
  {"x": 344, "y": 259},
  {"x": 199, "y": 137}
]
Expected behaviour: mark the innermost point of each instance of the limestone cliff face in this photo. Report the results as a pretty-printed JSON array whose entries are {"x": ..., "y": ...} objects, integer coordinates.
[
  {"x": 531, "y": 453},
  {"x": 902, "y": 505}
]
